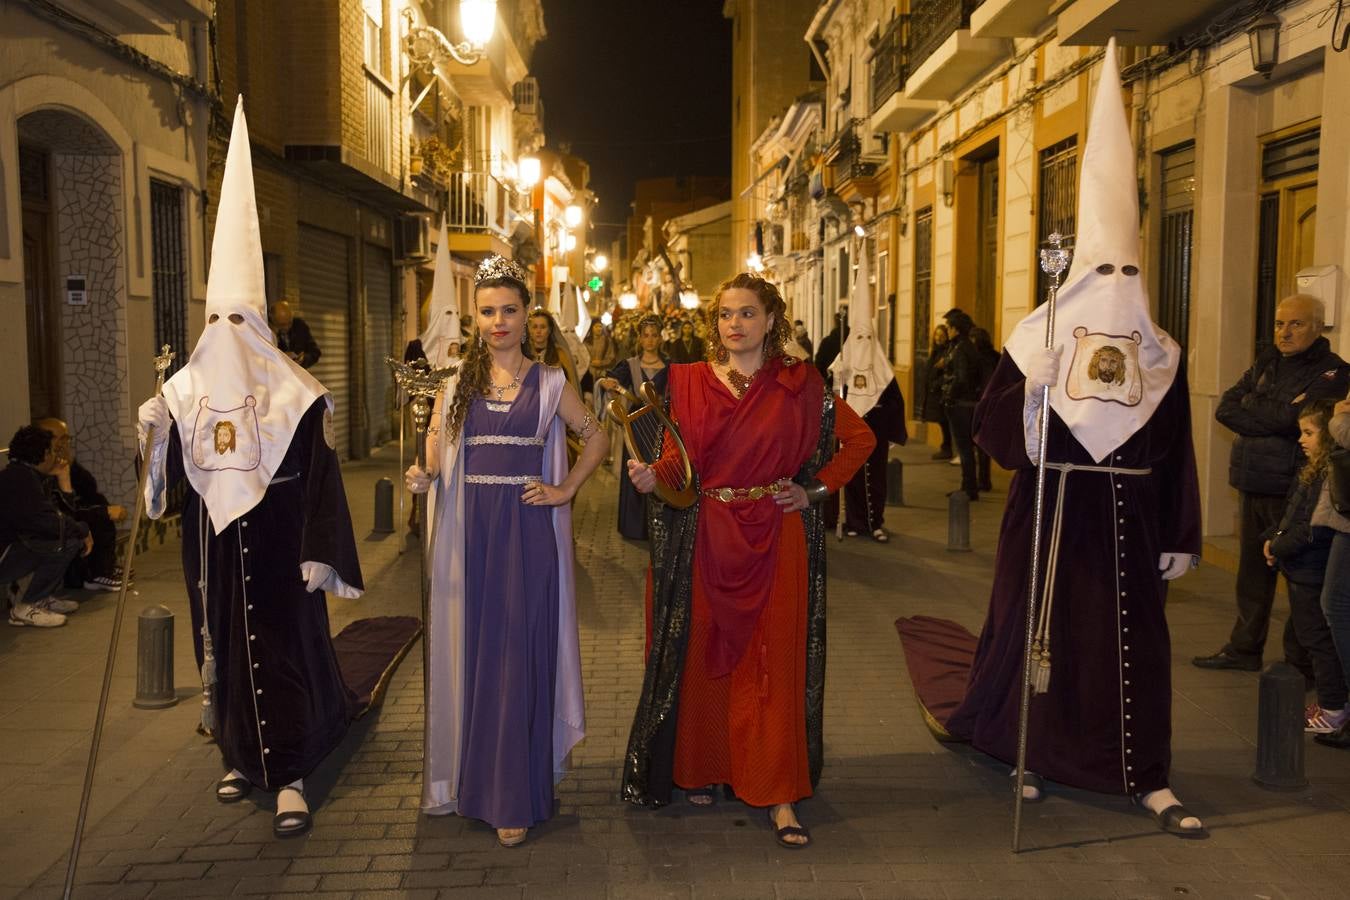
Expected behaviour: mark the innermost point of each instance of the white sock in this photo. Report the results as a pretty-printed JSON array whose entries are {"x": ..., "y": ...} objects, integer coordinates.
[
  {"x": 1159, "y": 800},
  {"x": 291, "y": 800}
]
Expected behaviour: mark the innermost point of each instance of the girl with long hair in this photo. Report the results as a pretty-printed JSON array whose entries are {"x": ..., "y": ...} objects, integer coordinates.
[
  {"x": 504, "y": 706},
  {"x": 1300, "y": 548},
  {"x": 734, "y": 690}
]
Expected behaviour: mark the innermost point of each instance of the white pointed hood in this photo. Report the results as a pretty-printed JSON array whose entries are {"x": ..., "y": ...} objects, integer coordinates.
[
  {"x": 581, "y": 322},
  {"x": 1116, "y": 365},
  {"x": 238, "y": 400},
  {"x": 862, "y": 367},
  {"x": 443, "y": 327}
]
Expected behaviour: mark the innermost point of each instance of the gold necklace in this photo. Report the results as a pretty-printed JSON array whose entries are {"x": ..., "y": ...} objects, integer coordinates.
[{"x": 740, "y": 382}]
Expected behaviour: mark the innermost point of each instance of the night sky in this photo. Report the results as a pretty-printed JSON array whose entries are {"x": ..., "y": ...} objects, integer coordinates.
[{"x": 640, "y": 88}]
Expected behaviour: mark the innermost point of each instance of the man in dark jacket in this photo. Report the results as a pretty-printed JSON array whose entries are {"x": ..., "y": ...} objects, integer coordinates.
[
  {"x": 293, "y": 335},
  {"x": 831, "y": 344},
  {"x": 1262, "y": 410},
  {"x": 964, "y": 377},
  {"x": 36, "y": 538}
]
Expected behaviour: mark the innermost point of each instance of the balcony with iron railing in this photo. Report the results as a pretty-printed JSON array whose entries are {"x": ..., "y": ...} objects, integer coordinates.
[
  {"x": 846, "y": 162},
  {"x": 481, "y": 213},
  {"x": 891, "y": 109},
  {"x": 943, "y": 56}
]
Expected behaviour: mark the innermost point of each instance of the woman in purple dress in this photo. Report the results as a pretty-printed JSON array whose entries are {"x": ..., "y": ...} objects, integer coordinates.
[{"x": 504, "y": 705}]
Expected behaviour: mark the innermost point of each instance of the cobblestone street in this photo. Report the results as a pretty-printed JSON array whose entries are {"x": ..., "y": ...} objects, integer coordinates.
[{"x": 896, "y": 814}]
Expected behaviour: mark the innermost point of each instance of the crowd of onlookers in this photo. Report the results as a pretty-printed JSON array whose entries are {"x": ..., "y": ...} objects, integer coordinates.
[
  {"x": 56, "y": 529},
  {"x": 1290, "y": 465}
]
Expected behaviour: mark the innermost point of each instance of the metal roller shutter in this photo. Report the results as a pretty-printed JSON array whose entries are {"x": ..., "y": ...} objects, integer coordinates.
[
  {"x": 379, "y": 346},
  {"x": 325, "y": 306}
]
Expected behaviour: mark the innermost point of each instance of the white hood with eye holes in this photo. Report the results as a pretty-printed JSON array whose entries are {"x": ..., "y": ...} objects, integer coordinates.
[
  {"x": 1116, "y": 365},
  {"x": 239, "y": 399},
  {"x": 443, "y": 328}
]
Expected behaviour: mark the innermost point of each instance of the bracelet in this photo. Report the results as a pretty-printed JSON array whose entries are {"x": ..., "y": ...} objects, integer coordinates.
[{"x": 816, "y": 492}]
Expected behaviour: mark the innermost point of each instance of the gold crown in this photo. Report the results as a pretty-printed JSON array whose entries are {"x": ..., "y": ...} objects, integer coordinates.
[{"x": 496, "y": 266}]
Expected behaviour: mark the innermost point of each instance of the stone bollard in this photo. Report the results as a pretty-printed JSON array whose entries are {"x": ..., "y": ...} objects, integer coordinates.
[
  {"x": 384, "y": 507},
  {"x": 958, "y": 522},
  {"x": 154, "y": 659},
  {"x": 1279, "y": 729},
  {"x": 895, "y": 483}
]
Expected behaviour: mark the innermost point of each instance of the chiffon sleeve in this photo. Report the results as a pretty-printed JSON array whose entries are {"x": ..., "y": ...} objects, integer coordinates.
[{"x": 856, "y": 443}]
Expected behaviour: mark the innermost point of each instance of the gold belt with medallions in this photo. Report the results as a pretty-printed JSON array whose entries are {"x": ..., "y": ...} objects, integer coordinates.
[{"x": 733, "y": 494}]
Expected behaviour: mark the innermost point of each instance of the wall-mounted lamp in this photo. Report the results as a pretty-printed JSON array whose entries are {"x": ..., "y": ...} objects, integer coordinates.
[
  {"x": 948, "y": 180},
  {"x": 600, "y": 262},
  {"x": 528, "y": 172},
  {"x": 1264, "y": 35},
  {"x": 572, "y": 215},
  {"x": 859, "y": 230}
]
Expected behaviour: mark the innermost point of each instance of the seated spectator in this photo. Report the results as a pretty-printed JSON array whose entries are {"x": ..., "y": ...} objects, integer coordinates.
[
  {"x": 36, "y": 538},
  {"x": 75, "y": 490}
]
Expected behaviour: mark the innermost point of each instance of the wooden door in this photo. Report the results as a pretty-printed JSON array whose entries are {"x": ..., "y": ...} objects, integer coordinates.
[{"x": 40, "y": 310}]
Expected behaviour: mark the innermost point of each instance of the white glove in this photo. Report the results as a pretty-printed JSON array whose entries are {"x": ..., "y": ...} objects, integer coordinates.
[
  {"x": 1174, "y": 565},
  {"x": 417, "y": 480},
  {"x": 1043, "y": 369},
  {"x": 154, "y": 411},
  {"x": 315, "y": 574}
]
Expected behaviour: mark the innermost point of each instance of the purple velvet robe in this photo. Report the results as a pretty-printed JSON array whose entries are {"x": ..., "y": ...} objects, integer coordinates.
[{"x": 1105, "y": 723}]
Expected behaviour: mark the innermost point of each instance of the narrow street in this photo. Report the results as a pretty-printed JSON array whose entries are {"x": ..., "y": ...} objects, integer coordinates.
[{"x": 896, "y": 815}]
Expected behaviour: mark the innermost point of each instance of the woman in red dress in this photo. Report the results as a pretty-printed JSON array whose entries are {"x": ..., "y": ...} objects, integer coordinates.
[{"x": 734, "y": 688}]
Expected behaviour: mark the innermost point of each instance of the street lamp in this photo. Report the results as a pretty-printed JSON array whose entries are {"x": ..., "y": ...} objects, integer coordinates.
[
  {"x": 600, "y": 263},
  {"x": 1264, "y": 35},
  {"x": 427, "y": 47},
  {"x": 478, "y": 19},
  {"x": 754, "y": 262},
  {"x": 689, "y": 299},
  {"x": 569, "y": 242},
  {"x": 572, "y": 216},
  {"x": 528, "y": 172},
  {"x": 628, "y": 300}
]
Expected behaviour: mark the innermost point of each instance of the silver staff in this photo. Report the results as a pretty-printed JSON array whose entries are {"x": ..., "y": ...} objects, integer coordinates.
[
  {"x": 1054, "y": 260},
  {"x": 162, "y": 363},
  {"x": 420, "y": 383}
]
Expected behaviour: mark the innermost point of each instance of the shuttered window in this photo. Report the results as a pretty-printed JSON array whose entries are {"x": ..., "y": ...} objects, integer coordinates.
[
  {"x": 1175, "y": 235},
  {"x": 1058, "y": 201}
]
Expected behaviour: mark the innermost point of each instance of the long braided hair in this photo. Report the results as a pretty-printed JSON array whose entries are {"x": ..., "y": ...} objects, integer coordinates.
[
  {"x": 475, "y": 368},
  {"x": 773, "y": 304}
]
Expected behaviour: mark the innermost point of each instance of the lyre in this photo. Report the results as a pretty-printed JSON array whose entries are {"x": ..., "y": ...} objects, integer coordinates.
[{"x": 628, "y": 409}]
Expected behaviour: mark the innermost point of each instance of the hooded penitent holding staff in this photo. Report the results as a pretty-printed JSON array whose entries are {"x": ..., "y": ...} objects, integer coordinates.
[
  {"x": 266, "y": 528},
  {"x": 1121, "y": 518},
  {"x": 864, "y": 377}
]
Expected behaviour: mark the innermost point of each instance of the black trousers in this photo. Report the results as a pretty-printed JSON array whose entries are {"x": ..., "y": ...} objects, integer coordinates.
[
  {"x": 46, "y": 561},
  {"x": 1310, "y": 625},
  {"x": 962, "y": 417},
  {"x": 102, "y": 560},
  {"x": 1261, "y": 513}
]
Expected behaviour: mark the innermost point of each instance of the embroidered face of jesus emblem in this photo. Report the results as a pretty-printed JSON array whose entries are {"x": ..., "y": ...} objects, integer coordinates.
[
  {"x": 1105, "y": 367},
  {"x": 224, "y": 432},
  {"x": 860, "y": 382},
  {"x": 226, "y": 439}
]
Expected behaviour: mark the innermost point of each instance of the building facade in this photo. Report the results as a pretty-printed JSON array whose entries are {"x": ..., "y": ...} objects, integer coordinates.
[
  {"x": 104, "y": 111},
  {"x": 114, "y": 118},
  {"x": 949, "y": 131}
]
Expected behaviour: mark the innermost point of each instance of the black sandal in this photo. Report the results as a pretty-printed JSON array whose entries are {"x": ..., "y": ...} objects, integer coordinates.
[
  {"x": 788, "y": 831},
  {"x": 295, "y": 823},
  {"x": 232, "y": 790},
  {"x": 1170, "y": 819},
  {"x": 703, "y": 797}
]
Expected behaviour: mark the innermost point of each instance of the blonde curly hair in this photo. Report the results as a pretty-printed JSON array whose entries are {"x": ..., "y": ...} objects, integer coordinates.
[{"x": 772, "y": 302}]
